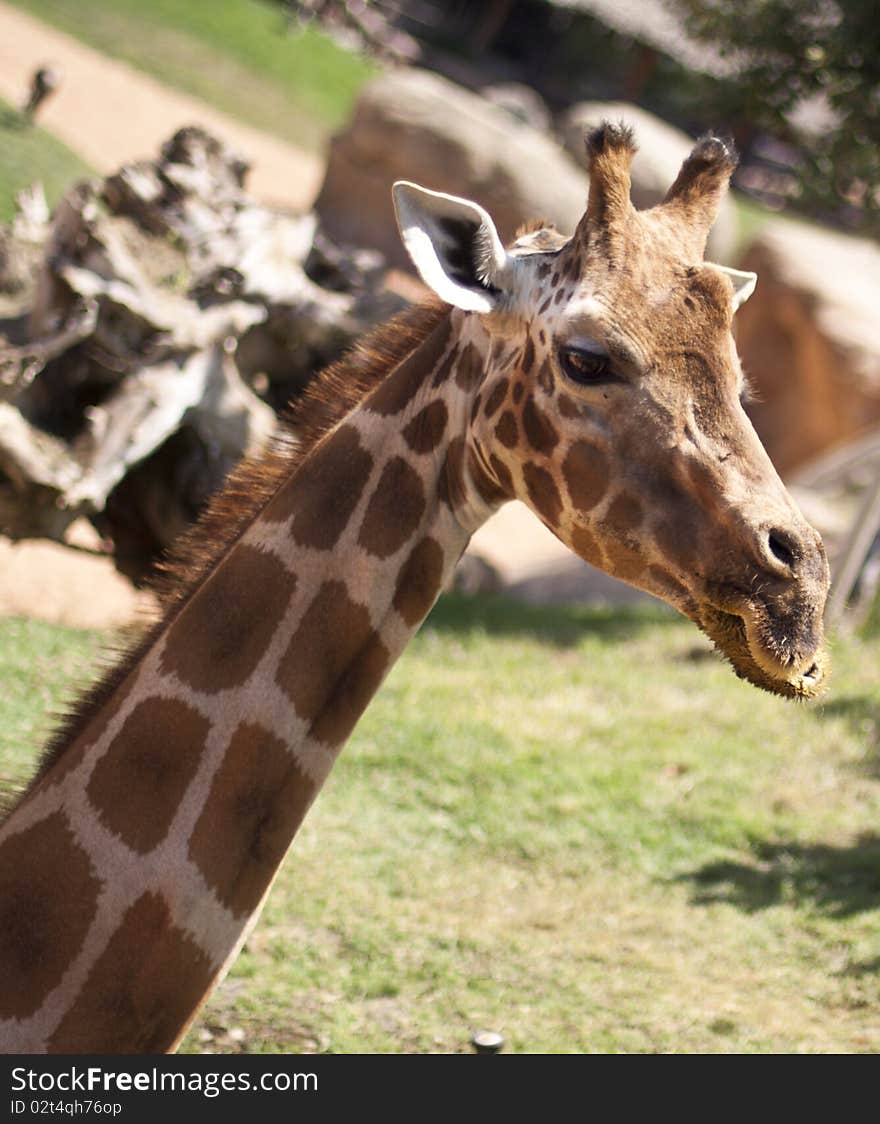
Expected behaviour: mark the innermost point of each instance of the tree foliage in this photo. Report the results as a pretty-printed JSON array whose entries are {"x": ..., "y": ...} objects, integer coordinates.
[{"x": 795, "y": 53}]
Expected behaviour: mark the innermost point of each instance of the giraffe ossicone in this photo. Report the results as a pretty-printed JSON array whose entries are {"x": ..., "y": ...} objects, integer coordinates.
[{"x": 595, "y": 378}]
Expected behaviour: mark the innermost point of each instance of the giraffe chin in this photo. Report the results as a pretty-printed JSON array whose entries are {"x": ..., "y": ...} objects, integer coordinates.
[{"x": 752, "y": 662}]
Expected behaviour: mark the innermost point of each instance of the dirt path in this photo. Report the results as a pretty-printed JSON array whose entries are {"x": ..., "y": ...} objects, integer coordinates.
[
  {"x": 109, "y": 112},
  {"x": 65, "y": 586}
]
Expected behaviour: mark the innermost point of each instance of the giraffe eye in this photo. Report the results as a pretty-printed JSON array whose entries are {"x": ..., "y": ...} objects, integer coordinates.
[{"x": 589, "y": 368}]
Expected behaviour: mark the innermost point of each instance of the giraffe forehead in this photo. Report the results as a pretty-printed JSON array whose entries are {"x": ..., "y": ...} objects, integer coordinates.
[{"x": 646, "y": 320}]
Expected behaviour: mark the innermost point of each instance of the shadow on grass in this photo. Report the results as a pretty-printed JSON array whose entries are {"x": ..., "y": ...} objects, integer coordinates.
[
  {"x": 561, "y": 625},
  {"x": 841, "y": 881},
  {"x": 862, "y": 715}
]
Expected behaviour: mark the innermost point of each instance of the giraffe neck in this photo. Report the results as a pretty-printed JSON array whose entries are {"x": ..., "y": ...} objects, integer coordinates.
[{"x": 132, "y": 872}]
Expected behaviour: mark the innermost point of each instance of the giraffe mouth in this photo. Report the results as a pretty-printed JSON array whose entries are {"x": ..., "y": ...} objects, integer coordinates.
[{"x": 742, "y": 637}]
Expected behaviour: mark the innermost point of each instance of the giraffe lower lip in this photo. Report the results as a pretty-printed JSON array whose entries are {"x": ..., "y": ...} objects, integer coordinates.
[{"x": 729, "y": 634}]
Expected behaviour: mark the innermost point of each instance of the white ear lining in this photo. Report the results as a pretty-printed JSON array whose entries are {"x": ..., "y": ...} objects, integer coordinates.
[
  {"x": 427, "y": 261},
  {"x": 743, "y": 284},
  {"x": 424, "y": 219}
]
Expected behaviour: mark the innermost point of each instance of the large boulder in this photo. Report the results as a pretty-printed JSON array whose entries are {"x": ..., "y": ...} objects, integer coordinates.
[
  {"x": 418, "y": 126},
  {"x": 662, "y": 148},
  {"x": 809, "y": 338}
]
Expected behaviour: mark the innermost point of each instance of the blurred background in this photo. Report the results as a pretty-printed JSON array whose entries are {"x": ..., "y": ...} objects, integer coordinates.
[
  {"x": 195, "y": 199},
  {"x": 279, "y": 231}
]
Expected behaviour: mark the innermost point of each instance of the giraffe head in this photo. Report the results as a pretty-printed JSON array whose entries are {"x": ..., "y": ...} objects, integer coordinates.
[{"x": 611, "y": 403}]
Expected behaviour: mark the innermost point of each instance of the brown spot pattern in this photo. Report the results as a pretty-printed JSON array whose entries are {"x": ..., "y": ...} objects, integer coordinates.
[
  {"x": 586, "y": 473},
  {"x": 425, "y": 431},
  {"x": 418, "y": 582},
  {"x": 394, "y": 510},
  {"x": 487, "y": 487},
  {"x": 352, "y": 693},
  {"x": 518, "y": 392},
  {"x": 399, "y": 388},
  {"x": 624, "y": 513},
  {"x": 543, "y": 492},
  {"x": 538, "y": 429},
  {"x": 142, "y": 990},
  {"x": 442, "y": 372},
  {"x": 502, "y": 474},
  {"x": 48, "y": 895},
  {"x": 545, "y": 377},
  {"x": 624, "y": 561},
  {"x": 221, "y": 635},
  {"x": 469, "y": 371},
  {"x": 258, "y": 798},
  {"x": 332, "y": 631},
  {"x": 568, "y": 407},
  {"x": 585, "y": 545},
  {"x": 333, "y": 665},
  {"x": 153, "y": 758},
  {"x": 324, "y": 492},
  {"x": 677, "y": 537},
  {"x": 506, "y": 430},
  {"x": 496, "y": 397},
  {"x": 450, "y": 485},
  {"x": 528, "y": 356}
]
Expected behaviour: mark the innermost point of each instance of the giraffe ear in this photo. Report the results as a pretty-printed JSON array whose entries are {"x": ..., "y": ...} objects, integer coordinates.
[
  {"x": 743, "y": 284},
  {"x": 454, "y": 246}
]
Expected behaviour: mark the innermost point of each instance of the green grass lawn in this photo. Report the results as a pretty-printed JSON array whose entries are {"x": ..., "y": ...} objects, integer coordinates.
[
  {"x": 573, "y": 826},
  {"x": 235, "y": 54},
  {"x": 29, "y": 154}
]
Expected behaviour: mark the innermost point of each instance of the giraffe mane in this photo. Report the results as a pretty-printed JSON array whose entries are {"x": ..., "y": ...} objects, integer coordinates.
[{"x": 329, "y": 397}]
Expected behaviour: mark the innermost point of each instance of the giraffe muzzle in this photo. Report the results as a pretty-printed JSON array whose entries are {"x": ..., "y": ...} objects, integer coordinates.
[
  {"x": 749, "y": 640},
  {"x": 772, "y": 630}
]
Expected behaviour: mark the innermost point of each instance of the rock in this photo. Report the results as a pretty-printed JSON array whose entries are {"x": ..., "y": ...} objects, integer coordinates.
[
  {"x": 418, "y": 126},
  {"x": 809, "y": 340},
  {"x": 662, "y": 148},
  {"x": 521, "y": 102}
]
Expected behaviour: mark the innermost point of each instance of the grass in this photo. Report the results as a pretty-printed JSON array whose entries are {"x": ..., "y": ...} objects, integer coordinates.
[
  {"x": 573, "y": 826},
  {"x": 30, "y": 154},
  {"x": 234, "y": 54}
]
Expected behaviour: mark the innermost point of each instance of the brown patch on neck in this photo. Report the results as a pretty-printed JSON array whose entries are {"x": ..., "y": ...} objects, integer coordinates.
[
  {"x": 143, "y": 990},
  {"x": 48, "y": 897},
  {"x": 257, "y": 801},
  {"x": 333, "y": 664},
  {"x": 418, "y": 582},
  {"x": 222, "y": 634},
  {"x": 156, "y": 754},
  {"x": 394, "y": 509},
  {"x": 331, "y": 396}
]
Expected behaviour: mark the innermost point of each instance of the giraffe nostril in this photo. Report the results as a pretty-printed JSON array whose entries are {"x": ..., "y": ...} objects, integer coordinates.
[{"x": 781, "y": 548}]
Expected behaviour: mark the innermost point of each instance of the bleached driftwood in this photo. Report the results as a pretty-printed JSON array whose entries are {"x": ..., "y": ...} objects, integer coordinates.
[{"x": 166, "y": 302}]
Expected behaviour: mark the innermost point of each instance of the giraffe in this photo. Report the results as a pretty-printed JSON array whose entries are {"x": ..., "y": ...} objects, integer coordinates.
[{"x": 593, "y": 377}]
